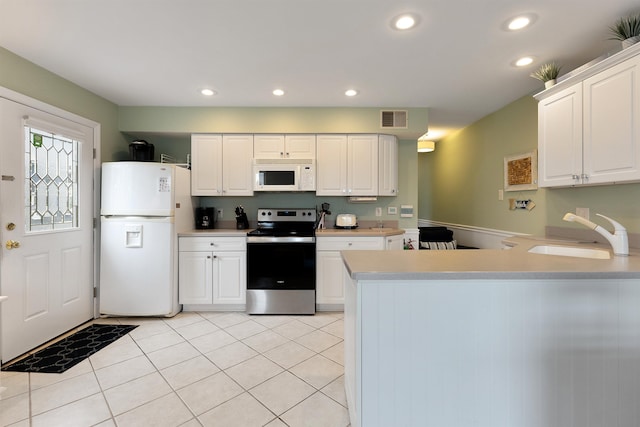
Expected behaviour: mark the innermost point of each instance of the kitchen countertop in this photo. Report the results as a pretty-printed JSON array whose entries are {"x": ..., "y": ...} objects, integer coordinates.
[
  {"x": 215, "y": 232},
  {"x": 515, "y": 263},
  {"x": 329, "y": 232},
  {"x": 359, "y": 232}
]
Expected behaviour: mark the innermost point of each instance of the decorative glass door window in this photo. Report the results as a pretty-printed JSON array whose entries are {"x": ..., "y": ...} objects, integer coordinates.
[{"x": 51, "y": 180}]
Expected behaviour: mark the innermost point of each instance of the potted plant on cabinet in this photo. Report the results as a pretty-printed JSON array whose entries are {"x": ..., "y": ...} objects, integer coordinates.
[
  {"x": 627, "y": 30},
  {"x": 547, "y": 73}
]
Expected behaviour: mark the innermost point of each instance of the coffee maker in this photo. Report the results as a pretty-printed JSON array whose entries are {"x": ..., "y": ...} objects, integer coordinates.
[{"x": 205, "y": 218}]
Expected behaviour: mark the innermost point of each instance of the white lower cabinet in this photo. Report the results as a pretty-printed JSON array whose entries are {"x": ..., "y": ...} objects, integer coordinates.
[
  {"x": 329, "y": 266},
  {"x": 212, "y": 271},
  {"x": 394, "y": 243}
]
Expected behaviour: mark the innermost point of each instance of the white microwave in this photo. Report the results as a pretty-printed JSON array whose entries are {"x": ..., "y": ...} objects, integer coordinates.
[{"x": 284, "y": 175}]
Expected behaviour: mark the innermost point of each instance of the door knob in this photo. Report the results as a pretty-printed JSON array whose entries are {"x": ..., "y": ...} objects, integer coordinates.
[
  {"x": 11, "y": 226},
  {"x": 12, "y": 244}
]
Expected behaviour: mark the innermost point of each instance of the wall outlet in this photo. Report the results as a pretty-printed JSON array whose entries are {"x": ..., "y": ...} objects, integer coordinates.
[
  {"x": 220, "y": 213},
  {"x": 501, "y": 194},
  {"x": 392, "y": 210},
  {"x": 583, "y": 212},
  {"x": 378, "y": 211}
]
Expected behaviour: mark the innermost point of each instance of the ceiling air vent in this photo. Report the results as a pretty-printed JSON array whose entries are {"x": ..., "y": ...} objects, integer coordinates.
[{"x": 394, "y": 119}]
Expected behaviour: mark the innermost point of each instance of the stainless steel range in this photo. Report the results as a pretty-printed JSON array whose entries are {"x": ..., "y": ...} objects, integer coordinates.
[{"x": 281, "y": 262}]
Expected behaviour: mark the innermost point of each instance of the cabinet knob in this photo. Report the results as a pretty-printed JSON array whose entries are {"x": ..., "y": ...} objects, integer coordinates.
[
  {"x": 212, "y": 244},
  {"x": 350, "y": 243},
  {"x": 208, "y": 256}
]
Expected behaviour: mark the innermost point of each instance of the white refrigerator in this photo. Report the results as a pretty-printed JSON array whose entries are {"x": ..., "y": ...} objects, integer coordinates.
[{"x": 144, "y": 206}]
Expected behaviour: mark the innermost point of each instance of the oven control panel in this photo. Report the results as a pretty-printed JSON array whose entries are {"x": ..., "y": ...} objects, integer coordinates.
[{"x": 289, "y": 215}]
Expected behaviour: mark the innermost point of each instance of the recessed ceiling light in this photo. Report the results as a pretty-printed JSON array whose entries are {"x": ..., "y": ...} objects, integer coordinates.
[
  {"x": 519, "y": 22},
  {"x": 351, "y": 92},
  {"x": 278, "y": 92},
  {"x": 207, "y": 92},
  {"x": 405, "y": 21},
  {"x": 523, "y": 62}
]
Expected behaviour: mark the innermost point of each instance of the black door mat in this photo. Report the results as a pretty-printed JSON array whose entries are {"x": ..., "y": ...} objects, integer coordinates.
[{"x": 68, "y": 352}]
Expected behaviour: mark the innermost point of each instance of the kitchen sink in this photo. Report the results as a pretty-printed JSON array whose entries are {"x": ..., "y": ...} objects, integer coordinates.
[{"x": 570, "y": 251}]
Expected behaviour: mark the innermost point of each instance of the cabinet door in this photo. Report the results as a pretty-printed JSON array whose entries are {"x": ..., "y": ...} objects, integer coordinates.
[
  {"x": 388, "y": 165},
  {"x": 229, "y": 277},
  {"x": 268, "y": 146},
  {"x": 560, "y": 138},
  {"x": 362, "y": 167},
  {"x": 331, "y": 165},
  {"x": 237, "y": 157},
  {"x": 394, "y": 243},
  {"x": 206, "y": 165},
  {"x": 195, "y": 277},
  {"x": 300, "y": 146},
  {"x": 329, "y": 278},
  {"x": 612, "y": 124}
]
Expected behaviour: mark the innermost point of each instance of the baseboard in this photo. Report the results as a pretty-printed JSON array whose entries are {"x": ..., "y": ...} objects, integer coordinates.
[
  {"x": 329, "y": 307},
  {"x": 213, "y": 307},
  {"x": 477, "y": 237}
]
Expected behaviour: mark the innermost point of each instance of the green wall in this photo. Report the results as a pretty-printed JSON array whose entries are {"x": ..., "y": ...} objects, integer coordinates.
[
  {"x": 31, "y": 80},
  {"x": 459, "y": 181}
]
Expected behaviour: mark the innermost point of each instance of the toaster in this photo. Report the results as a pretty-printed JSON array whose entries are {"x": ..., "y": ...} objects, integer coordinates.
[{"x": 346, "y": 221}]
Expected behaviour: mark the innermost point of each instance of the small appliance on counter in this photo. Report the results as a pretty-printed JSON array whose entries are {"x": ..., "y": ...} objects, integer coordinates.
[
  {"x": 322, "y": 218},
  {"x": 205, "y": 218},
  {"x": 242, "y": 223},
  {"x": 346, "y": 221},
  {"x": 141, "y": 151}
]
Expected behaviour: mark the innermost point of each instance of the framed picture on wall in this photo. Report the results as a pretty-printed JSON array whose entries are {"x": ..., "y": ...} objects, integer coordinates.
[{"x": 521, "y": 171}]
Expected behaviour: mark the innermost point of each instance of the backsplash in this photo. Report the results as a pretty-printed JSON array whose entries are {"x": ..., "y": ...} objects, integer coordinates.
[{"x": 364, "y": 211}]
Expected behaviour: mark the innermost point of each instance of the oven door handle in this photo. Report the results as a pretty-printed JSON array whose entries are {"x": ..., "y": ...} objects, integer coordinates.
[{"x": 291, "y": 239}]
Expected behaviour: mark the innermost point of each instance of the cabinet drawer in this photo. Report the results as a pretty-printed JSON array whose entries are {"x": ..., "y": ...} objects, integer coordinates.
[
  {"x": 212, "y": 244},
  {"x": 346, "y": 243}
]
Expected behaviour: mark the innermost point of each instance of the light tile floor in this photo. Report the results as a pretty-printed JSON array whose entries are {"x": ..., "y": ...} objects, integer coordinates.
[{"x": 195, "y": 369}]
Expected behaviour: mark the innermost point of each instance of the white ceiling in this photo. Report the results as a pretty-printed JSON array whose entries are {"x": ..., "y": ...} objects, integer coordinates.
[{"x": 456, "y": 62}]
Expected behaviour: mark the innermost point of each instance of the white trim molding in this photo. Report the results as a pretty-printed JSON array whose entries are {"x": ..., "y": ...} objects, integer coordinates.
[{"x": 477, "y": 237}]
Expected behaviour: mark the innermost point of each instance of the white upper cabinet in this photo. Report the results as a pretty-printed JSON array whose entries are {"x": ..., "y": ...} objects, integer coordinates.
[
  {"x": 589, "y": 127},
  {"x": 278, "y": 146},
  {"x": 612, "y": 124},
  {"x": 206, "y": 165},
  {"x": 347, "y": 165},
  {"x": 388, "y": 161},
  {"x": 221, "y": 165},
  {"x": 237, "y": 159},
  {"x": 362, "y": 170},
  {"x": 331, "y": 165},
  {"x": 560, "y": 138}
]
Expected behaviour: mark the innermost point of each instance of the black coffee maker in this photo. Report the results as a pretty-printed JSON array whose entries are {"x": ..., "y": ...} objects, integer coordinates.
[
  {"x": 242, "y": 223},
  {"x": 205, "y": 218},
  {"x": 141, "y": 151}
]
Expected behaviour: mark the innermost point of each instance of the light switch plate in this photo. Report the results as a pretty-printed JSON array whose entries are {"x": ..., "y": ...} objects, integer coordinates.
[
  {"x": 583, "y": 212},
  {"x": 406, "y": 211}
]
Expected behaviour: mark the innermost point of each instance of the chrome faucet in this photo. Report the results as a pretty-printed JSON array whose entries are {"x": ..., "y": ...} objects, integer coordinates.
[{"x": 618, "y": 240}]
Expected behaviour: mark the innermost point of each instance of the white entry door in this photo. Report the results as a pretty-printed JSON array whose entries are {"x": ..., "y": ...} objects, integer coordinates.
[{"x": 46, "y": 224}]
